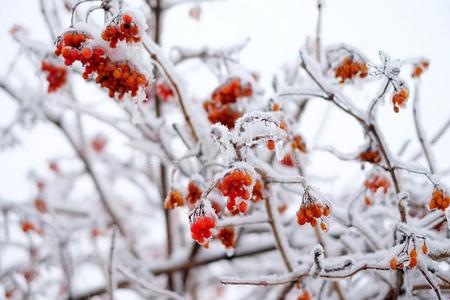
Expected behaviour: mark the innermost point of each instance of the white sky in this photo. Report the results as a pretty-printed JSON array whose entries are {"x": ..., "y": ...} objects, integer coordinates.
[{"x": 277, "y": 29}]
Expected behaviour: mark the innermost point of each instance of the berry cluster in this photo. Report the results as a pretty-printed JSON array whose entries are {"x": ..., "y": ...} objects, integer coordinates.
[
  {"x": 311, "y": 212},
  {"x": 164, "y": 91},
  {"x": 121, "y": 28},
  {"x": 349, "y": 69},
  {"x": 70, "y": 46},
  {"x": 236, "y": 185},
  {"x": 420, "y": 68},
  {"x": 219, "y": 107},
  {"x": 225, "y": 115},
  {"x": 194, "y": 193},
  {"x": 174, "y": 199},
  {"x": 439, "y": 200},
  {"x": 201, "y": 230},
  {"x": 119, "y": 77},
  {"x": 227, "y": 236},
  {"x": 372, "y": 156},
  {"x": 203, "y": 220},
  {"x": 399, "y": 99},
  {"x": 298, "y": 143},
  {"x": 411, "y": 257},
  {"x": 376, "y": 182},
  {"x": 56, "y": 75}
]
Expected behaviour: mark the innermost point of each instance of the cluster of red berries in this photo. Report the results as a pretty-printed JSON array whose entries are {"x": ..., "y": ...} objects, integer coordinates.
[
  {"x": 119, "y": 78},
  {"x": 227, "y": 236},
  {"x": 376, "y": 182},
  {"x": 350, "y": 68},
  {"x": 164, "y": 91},
  {"x": 412, "y": 258},
  {"x": 439, "y": 200},
  {"x": 220, "y": 109},
  {"x": 56, "y": 75},
  {"x": 420, "y": 68},
  {"x": 236, "y": 185},
  {"x": 287, "y": 160},
  {"x": 121, "y": 28},
  {"x": 194, "y": 193},
  {"x": 311, "y": 212},
  {"x": 201, "y": 230},
  {"x": 174, "y": 199},
  {"x": 70, "y": 45},
  {"x": 372, "y": 156},
  {"x": 399, "y": 99}
]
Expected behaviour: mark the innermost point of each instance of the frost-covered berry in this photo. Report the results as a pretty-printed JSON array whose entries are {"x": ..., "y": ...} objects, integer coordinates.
[
  {"x": 313, "y": 211},
  {"x": 201, "y": 230},
  {"x": 98, "y": 143},
  {"x": 439, "y": 200},
  {"x": 377, "y": 181},
  {"x": 40, "y": 205},
  {"x": 350, "y": 68},
  {"x": 56, "y": 75},
  {"x": 164, "y": 91},
  {"x": 70, "y": 44},
  {"x": 419, "y": 68},
  {"x": 298, "y": 143},
  {"x": 174, "y": 199},
  {"x": 194, "y": 193},
  {"x": 372, "y": 156},
  {"x": 399, "y": 99},
  {"x": 235, "y": 186},
  {"x": 122, "y": 28},
  {"x": 227, "y": 236},
  {"x": 221, "y": 107}
]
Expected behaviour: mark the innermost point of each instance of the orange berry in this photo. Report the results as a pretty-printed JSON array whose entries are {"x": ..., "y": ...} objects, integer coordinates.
[{"x": 393, "y": 263}]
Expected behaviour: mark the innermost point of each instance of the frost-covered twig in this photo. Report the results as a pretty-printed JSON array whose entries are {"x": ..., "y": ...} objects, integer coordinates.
[
  {"x": 419, "y": 130},
  {"x": 111, "y": 265},
  {"x": 149, "y": 287}
]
